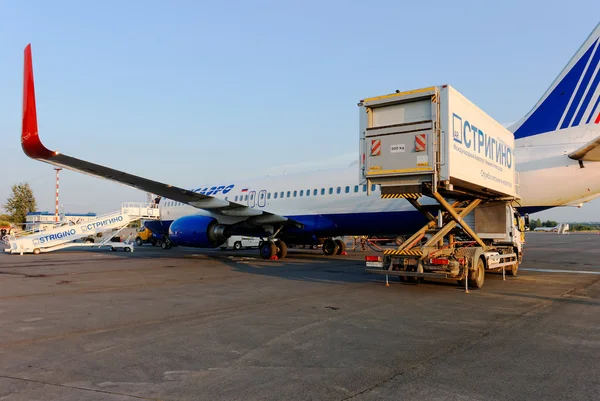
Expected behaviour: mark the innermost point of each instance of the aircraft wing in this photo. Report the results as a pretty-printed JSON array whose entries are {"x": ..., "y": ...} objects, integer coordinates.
[
  {"x": 33, "y": 147},
  {"x": 589, "y": 152}
]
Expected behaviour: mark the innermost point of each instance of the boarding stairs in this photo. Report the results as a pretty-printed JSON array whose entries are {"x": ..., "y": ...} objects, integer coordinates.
[{"x": 68, "y": 235}]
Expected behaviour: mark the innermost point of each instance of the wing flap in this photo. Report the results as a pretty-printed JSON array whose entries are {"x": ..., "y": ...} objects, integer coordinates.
[{"x": 589, "y": 152}]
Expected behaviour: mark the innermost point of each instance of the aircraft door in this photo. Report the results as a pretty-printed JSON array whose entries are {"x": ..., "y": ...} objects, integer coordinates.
[
  {"x": 252, "y": 199},
  {"x": 262, "y": 198}
]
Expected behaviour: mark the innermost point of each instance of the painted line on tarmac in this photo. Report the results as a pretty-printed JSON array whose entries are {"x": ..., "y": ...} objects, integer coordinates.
[{"x": 560, "y": 271}]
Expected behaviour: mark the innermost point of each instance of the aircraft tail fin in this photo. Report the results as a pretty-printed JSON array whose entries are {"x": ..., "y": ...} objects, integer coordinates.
[
  {"x": 30, "y": 141},
  {"x": 573, "y": 99}
]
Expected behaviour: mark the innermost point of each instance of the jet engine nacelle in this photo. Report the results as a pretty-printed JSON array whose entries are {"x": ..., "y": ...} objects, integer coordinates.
[{"x": 198, "y": 231}]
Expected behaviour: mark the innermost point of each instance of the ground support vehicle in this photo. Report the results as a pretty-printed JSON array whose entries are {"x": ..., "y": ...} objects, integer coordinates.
[
  {"x": 70, "y": 235},
  {"x": 238, "y": 242},
  {"x": 453, "y": 163}
]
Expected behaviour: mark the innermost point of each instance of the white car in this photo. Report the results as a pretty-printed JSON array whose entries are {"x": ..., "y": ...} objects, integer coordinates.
[{"x": 238, "y": 242}]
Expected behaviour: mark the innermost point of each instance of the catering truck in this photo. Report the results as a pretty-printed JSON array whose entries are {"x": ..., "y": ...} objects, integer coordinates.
[{"x": 455, "y": 165}]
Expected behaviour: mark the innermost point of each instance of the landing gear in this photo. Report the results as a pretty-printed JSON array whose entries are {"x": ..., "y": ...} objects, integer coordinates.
[
  {"x": 268, "y": 250},
  {"x": 341, "y": 247},
  {"x": 281, "y": 249},
  {"x": 330, "y": 247},
  {"x": 273, "y": 249}
]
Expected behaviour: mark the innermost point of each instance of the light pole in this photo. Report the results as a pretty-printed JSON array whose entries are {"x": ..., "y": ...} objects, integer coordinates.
[{"x": 57, "y": 169}]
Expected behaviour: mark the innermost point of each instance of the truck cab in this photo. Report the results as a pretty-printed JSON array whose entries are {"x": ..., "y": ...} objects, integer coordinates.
[{"x": 145, "y": 236}]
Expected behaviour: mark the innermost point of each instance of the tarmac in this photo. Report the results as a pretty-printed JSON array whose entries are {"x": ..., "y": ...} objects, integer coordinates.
[{"x": 188, "y": 324}]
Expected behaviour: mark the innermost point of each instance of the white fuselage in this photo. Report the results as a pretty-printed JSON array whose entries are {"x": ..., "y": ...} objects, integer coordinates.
[{"x": 547, "y": 177}]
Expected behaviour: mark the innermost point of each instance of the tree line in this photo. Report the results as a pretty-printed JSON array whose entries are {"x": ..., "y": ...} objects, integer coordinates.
[{"x": 533, "y": 224}]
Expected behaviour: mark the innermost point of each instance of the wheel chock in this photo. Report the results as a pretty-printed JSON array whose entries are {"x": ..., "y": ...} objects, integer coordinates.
[
  {"x": 344, "y": 253},
  {"x": 274, "y": 257}
]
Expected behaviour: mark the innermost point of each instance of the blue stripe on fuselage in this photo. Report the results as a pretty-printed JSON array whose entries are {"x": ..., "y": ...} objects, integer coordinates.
[{"x": 332, "y": 225}]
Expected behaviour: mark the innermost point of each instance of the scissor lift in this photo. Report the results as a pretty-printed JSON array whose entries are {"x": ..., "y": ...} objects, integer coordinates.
[{"x": 446, "y": 247}]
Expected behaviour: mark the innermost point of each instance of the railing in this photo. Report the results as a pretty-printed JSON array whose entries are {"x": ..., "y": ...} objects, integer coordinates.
[
  {"x": 25, "y": 233},
  {"x": 132, "y": 209},
  {"x": 137, "y": 209}
]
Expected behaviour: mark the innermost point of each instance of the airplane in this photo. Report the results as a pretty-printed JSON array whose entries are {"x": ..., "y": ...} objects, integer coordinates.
[
  {"x": 560, "y": 228},
  {"x": 557, "y": 154}
]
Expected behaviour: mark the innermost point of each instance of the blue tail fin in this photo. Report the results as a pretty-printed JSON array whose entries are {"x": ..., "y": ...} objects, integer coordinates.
[{"x": 573, "y": 99}]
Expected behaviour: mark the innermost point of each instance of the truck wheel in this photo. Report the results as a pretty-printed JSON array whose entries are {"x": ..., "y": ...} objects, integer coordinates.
[
  {"x": 164, "y": 245},
  {"x": 330, "y": 247},
  {"x": 237, "y": 245},
  {"x": 477, "y": 276},
  {"x": 36, "y": 251},
  {"x": 514, "y": 270},
  {"x": 138, "y": 241}
]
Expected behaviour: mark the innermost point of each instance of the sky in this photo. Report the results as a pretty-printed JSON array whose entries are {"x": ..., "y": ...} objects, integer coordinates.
[{"x": 200, "y": 92}]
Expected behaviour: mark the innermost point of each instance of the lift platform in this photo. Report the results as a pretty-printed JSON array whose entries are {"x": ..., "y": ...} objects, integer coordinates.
[{"x": 71, "y": 235}]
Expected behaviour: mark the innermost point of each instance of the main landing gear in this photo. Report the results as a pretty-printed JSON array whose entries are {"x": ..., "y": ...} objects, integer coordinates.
[
  {"x": 277, "y": 249},
  {"x": 334, "y": 247},
  {"x": 273, "y": 250}
]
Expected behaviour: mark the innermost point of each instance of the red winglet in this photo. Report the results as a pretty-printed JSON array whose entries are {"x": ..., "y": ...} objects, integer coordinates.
[{"x": 30, "y": 141}]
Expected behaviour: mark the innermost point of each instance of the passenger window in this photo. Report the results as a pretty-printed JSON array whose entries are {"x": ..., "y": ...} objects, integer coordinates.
[
  {"x": 373, "y": 187},
  {"x": 315, "y": 192},
  {"x": 269, "y": 195},
  {"x": 356, "y": 188},
  {"x": 364, "y": 188},
  {"x": 338, "y": 190},
  {"x": 288, "y": 194},
  {"x": 322, "y": 191},
  {"x": 295, "y": 193},
  {"x": 308, "y": 192},
  {"x": 301, "y": 192},
  {"x": 347, "y": 190},
  {"x": 246, "y": 197},
  {"x": 275, "y": 195},
  {"x": 236, "y": 197},
  {"x": 330, "y": 191}
]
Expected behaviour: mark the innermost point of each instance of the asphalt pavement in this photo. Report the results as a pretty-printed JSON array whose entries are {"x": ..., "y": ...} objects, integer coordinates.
[{"x": 185, "y": 324}]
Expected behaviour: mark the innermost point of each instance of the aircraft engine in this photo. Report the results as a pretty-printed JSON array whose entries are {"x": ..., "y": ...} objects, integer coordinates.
[{"x": 198, "y": 231}]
